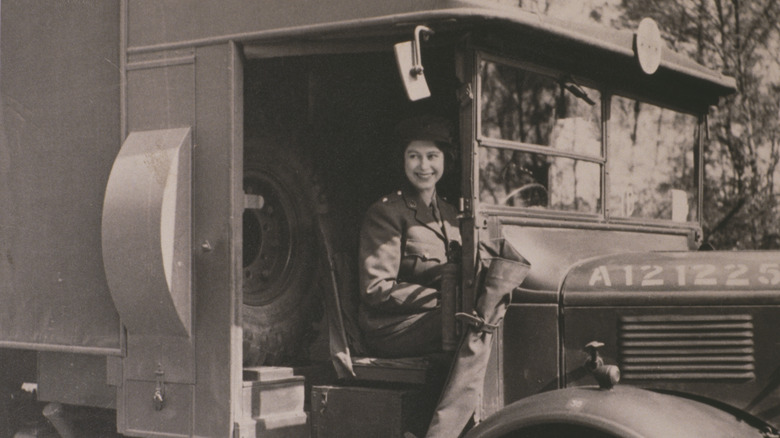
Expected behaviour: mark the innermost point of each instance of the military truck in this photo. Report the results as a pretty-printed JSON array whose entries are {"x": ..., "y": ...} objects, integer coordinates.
[{"x": 181, "y": 185}]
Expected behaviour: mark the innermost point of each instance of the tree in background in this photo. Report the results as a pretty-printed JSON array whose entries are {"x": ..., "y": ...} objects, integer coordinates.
[{"x": 740, "y": 38}]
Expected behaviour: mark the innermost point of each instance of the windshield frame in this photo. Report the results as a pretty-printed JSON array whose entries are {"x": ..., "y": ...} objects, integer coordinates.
[{"x": 602, "y": 216}]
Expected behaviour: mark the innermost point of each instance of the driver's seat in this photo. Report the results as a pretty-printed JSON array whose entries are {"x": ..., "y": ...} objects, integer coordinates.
[{"x": 349, "y": 355}]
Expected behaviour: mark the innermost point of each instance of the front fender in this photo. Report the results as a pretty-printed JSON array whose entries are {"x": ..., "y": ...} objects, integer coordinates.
[{"x": 623, "y": 411}]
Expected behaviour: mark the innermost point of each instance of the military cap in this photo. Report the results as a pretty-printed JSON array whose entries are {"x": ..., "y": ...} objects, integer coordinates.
[{"x": 426, "y": 127}]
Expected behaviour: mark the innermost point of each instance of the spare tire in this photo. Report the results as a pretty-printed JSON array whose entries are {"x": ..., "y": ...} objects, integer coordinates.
[{"x": 281, "y": 260}]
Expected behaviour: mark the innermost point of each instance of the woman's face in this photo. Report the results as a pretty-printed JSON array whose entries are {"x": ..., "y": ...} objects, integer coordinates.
[{"x": 423, "y": 164}]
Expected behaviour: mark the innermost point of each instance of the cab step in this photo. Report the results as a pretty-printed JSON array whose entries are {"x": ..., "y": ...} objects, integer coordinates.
[{"x": 273, "y": 404}]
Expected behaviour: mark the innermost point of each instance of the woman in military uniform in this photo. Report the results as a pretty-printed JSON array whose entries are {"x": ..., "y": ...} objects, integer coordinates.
[
  {"x": 404, "y": 242},
  {"x": 404, "y": 245}
]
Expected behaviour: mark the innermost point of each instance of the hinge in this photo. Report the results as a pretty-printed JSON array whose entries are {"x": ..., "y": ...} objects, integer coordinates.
[
  {"x": 158, "y": 399},
  {"x": 464, "y": 207},
  {"x": 465, "y": 94},
  {"x": 480, "y": 221}
]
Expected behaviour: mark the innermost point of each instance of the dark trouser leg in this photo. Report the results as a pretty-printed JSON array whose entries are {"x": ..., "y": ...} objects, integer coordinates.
[{"x": 420, "y": 335}]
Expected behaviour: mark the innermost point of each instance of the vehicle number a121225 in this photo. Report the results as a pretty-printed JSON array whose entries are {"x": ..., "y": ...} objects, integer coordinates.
[{"x": 652, "y": 275}]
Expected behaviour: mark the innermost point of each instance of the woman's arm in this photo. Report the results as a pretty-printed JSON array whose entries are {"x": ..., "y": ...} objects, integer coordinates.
[{"x": 381, "y": 246}]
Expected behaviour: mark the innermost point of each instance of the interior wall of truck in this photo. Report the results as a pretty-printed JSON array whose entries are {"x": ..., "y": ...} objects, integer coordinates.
[{"x": 319, "y": 149}]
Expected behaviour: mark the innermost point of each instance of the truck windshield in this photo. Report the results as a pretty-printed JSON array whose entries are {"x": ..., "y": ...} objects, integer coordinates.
[
  {"x": 651, "y": 163},
  {"x": 540, "y": 142},
  {"x": 541, "y": 147}
]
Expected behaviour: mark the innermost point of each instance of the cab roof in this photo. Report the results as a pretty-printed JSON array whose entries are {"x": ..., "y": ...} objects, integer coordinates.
[{"x": 603, "y": 54}]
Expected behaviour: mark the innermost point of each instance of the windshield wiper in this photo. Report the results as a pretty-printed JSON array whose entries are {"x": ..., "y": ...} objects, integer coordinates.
[{"x": 574, "y": 88}]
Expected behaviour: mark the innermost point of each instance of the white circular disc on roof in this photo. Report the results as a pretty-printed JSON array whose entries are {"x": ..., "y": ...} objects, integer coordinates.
[{"x": 648, "y": 45}]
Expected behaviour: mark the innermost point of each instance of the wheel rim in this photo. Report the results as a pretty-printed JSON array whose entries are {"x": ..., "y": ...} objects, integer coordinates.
[{"x": 269, "y": 240}]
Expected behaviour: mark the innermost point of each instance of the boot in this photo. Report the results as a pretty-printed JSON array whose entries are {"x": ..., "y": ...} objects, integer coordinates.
[{"x": 504, "y": 269}]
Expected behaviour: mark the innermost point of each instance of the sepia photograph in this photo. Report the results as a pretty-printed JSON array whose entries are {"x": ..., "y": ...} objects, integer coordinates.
[{"x": 390, "y": 218}]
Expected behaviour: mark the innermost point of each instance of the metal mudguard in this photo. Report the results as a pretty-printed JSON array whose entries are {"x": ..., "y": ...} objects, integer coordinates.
[{"x": 623, "y": 411}]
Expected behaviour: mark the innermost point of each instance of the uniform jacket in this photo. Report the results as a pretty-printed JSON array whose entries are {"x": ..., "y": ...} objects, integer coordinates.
[{"x": 402, "y": 247}]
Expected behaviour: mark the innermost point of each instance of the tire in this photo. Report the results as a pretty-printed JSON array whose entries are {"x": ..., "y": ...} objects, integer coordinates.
[{"x": 281, "y": 260}]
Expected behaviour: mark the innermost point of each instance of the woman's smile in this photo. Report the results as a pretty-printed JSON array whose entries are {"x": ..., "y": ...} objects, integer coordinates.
[{"x": 424, "y": 166}]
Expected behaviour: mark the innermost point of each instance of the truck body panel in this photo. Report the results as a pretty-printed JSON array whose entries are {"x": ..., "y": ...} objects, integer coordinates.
[
  {"x": 696, "y": 322},
  {"x": 59, "y": 103},
  {"x": 552, "y": 250},
  {"x": 201, "y": 91},
  {"x": 718, "y": 352}
]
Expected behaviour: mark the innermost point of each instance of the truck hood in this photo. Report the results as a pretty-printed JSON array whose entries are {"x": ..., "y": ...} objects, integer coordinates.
[
  {"x": 702, "y": 323},
  {"x": 674, "y": 278}
]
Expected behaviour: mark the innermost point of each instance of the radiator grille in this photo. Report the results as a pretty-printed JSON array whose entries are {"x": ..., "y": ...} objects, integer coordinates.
[{"x": 686, "y": 347}]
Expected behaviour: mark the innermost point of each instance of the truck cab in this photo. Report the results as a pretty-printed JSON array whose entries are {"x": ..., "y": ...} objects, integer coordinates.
[{"x": 219, "y": 169}]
